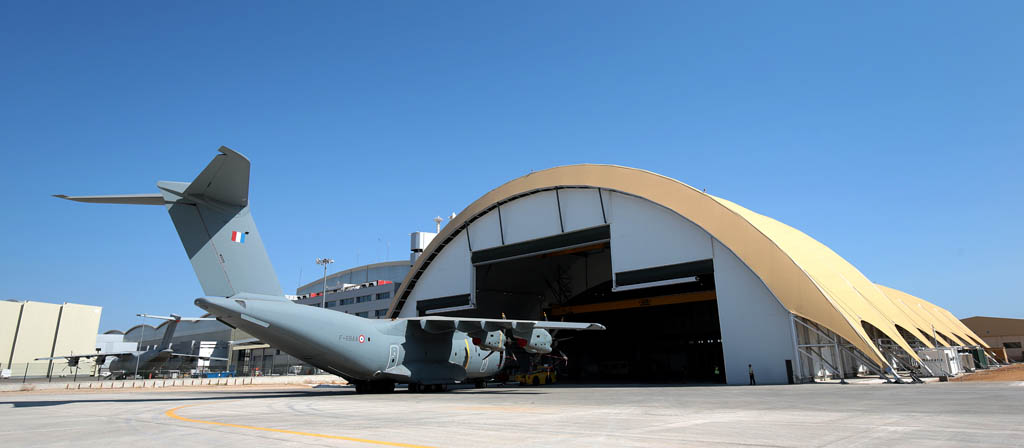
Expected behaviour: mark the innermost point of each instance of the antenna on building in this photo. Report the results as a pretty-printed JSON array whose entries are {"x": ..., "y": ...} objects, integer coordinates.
[{"x": 437, "y": 221}]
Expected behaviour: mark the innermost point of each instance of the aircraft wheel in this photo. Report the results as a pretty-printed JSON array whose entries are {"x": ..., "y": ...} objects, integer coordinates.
[
  {"x": 385, "y": 387},
  {"x": 436, "y": 388},
  {"x": 536, "y": 381},
  {"x": 413, "y": 387},
  {"x": 480, "y": 384},
  {"x": 361, "y": 388}
]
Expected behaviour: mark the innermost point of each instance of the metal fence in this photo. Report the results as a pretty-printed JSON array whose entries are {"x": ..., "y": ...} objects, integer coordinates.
[{"x": 61, "y": 371}]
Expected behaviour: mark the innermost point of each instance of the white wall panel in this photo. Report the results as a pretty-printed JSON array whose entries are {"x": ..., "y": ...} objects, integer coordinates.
[
  {"x": 9, "y": 314},
  {"x": 756, "y": 329},
  {"x": 79, "y": 325},
  {"x": 581, "y": 208},
  {"x": 449, "y": 274},
  {"x": 36, "y": 332},
  {"x": 484, "y": 233},
  {"x": 530, "y": 217},
  {"x": 645, "y": 235}
]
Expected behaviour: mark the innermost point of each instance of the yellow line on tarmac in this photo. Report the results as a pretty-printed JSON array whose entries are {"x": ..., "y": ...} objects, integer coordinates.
[{"x": 173, "y": 414}]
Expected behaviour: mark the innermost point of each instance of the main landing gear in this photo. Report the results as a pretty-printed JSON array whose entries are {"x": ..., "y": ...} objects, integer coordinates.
[
  {"x": 415, "y": 387},
  {"x": 374, "y": 387}
]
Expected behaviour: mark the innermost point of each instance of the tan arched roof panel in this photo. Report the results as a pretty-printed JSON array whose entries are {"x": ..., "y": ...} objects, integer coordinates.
[
  {"x": 927, "y": 311},
  {"x": 807, "y": 277},
  {"x": 943, "y": 320},
  {"x": 845, "y": 287},
  {"x": 965, "y": 332}
]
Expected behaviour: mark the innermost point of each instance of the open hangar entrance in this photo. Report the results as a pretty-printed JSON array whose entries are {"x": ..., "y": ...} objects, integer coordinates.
[
  {"x": 664, "y": 333},
  {"x": 653, "y": 278}
]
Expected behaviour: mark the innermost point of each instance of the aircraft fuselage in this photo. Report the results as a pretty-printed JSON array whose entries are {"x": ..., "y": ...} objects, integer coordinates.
[
  {"x": 147, "y": 362},
  {"x": 356, "y": 348}
]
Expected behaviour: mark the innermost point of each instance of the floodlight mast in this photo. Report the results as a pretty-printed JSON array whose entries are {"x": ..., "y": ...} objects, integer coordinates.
[
  {"x": 324, "y": 262},
  {"x": 138, "y": 348}
]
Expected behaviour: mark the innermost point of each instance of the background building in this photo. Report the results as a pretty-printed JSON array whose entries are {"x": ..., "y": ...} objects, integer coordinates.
[
  {"x": 30, "y": 330},
  {"x": 364, "y": 291},
  {"x": 1000, "y": 332}
]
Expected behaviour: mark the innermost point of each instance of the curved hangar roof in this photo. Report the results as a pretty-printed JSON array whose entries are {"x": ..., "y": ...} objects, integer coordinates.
[{"x": 807, "y": 277}]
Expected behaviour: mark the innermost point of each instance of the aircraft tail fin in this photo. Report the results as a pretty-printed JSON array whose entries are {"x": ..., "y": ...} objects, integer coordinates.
[
  {"x": 172, "y": 325},
  {"x": 212, "y": 217}
]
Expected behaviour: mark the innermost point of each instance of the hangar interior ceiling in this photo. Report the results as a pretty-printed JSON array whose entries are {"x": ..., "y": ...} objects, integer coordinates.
[{"x": 665, "y": 266}]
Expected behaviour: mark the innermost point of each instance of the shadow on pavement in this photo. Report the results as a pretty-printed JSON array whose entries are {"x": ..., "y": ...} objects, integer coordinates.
[
  {"x": 246, "y": 395},
  {"x": 233, "y": 395}
]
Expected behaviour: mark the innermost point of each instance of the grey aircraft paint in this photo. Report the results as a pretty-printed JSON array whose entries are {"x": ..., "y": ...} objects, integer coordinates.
[
  {"x": 213, "y": 220},
  {"x": 145, "y": 362}
]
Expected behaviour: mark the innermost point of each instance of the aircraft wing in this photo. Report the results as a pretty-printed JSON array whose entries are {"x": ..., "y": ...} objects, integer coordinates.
[
  {"x": 182, "y": 355},
  {"x": 89, "y": 355},
  {"x": 443, "y": 324}
]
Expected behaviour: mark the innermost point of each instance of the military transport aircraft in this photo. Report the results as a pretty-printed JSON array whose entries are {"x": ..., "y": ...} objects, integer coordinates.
[
  {"x": 142, "y": 362},
  {"x": 213, "y": 220}
]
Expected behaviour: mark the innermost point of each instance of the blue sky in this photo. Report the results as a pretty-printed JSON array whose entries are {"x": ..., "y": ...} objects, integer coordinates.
[{"x": 889, "y": 131}]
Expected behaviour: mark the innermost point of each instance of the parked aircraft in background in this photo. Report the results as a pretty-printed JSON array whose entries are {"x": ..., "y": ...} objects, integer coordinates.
[
  {"x": 213, "y": 220},
  {"x": 142, "y": 362}
]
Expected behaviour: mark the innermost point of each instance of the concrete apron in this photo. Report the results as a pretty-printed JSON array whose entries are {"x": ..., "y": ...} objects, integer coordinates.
[{"x": 178, "y": 382}]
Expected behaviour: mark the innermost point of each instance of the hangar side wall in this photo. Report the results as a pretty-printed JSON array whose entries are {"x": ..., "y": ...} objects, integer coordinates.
[{"x": 756, "y": 329}]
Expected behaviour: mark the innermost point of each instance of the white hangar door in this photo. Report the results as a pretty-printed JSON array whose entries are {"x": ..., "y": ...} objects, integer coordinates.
[{"x": 653, "y": 246}]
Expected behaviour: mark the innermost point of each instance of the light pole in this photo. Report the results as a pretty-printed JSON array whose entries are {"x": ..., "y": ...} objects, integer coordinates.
[
  {"x": 138, "y": 349},
  {"x": 324, "y": 262}
]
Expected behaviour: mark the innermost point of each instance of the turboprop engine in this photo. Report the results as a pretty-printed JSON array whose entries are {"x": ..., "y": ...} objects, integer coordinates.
[
  {"x": 492, "y": 340},
  {"x": 538, "y": 341}
]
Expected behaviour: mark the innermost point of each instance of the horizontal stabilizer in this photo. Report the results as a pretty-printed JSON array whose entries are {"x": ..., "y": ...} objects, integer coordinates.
[
  {"x": 442, "y": 324},
  {"x": 176, "y": 317},
  {"x": 132, "y": 199}
]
